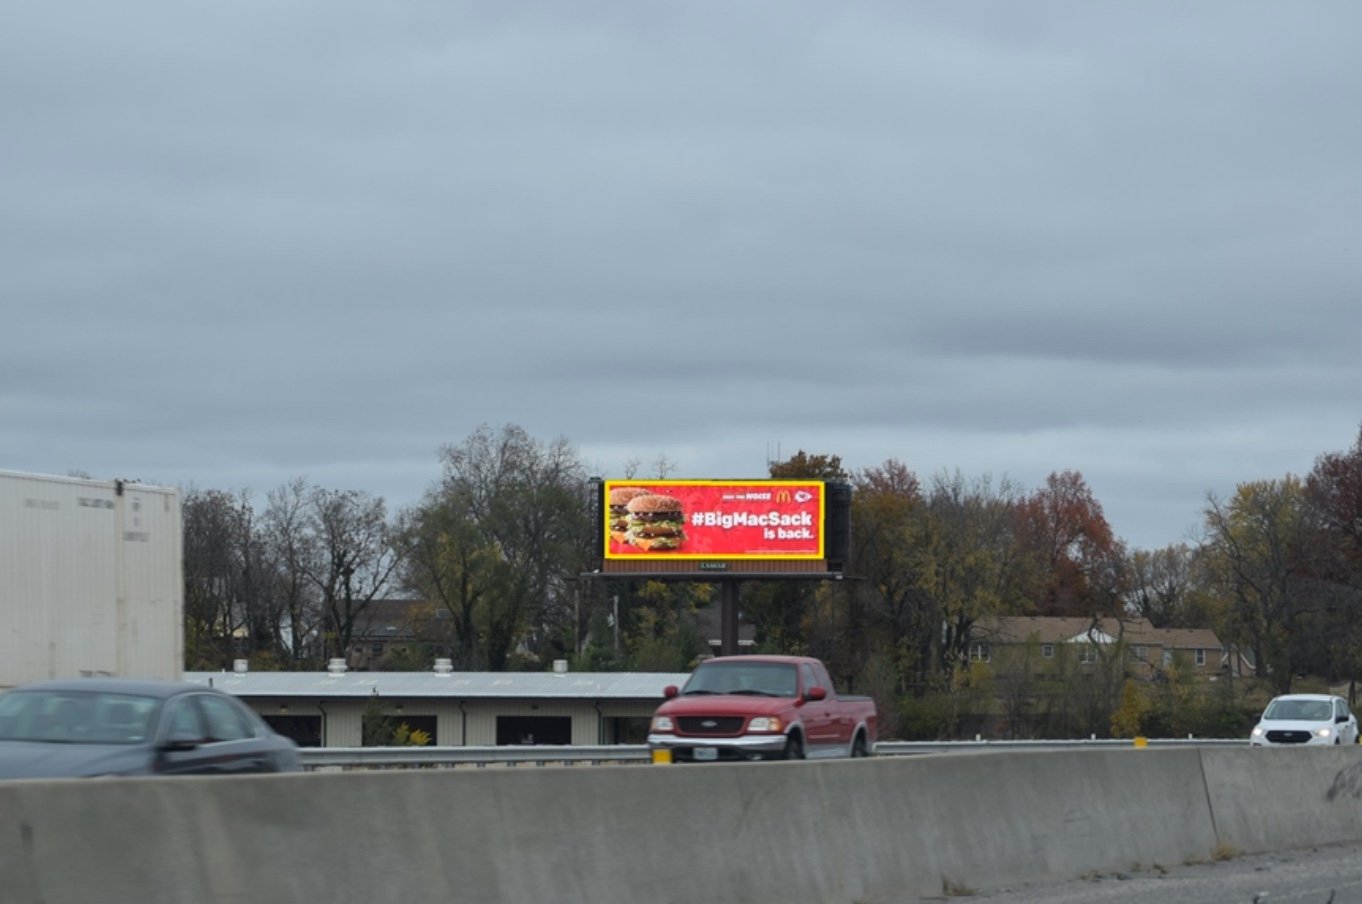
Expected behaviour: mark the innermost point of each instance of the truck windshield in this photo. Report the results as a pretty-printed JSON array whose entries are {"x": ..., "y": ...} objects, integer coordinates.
[{"x": 769, "y": 679}]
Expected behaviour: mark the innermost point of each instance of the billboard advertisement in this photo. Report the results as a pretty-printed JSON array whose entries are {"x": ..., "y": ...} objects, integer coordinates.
[{"x": 714, "y": 519}]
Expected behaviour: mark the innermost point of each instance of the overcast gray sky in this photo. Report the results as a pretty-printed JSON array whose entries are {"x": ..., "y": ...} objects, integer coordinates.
[{"x": 245, "y": 242}]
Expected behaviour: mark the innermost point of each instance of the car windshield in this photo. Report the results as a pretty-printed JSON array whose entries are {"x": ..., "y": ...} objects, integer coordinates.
[
  {"x": 75, "y": 717},
  {"x": 1298, "y": 711},
  {"x": 763, "y": 679}
]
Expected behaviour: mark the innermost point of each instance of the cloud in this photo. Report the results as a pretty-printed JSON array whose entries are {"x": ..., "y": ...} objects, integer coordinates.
[{"x": 253, "y": 242}]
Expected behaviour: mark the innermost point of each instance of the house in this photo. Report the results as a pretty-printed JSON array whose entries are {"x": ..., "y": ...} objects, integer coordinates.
[
  {"x": 709, "y": 624},
  {"x": 1010, "y": 641},
  {"x": 388, "y": 627}
]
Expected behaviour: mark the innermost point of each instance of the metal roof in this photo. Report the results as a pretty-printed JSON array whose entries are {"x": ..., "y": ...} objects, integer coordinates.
[
  {"x": 105, "y": 685},
  {"x": 462, "y": 685}
]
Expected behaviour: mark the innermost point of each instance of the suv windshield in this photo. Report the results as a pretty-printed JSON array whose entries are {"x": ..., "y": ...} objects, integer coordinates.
[{"x": 1299, "y": 711}]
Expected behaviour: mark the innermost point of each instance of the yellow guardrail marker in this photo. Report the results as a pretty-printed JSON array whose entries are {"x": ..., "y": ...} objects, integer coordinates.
[
  {"x": 662, "y": 756},
  {"x": 1141, "y": 742}
]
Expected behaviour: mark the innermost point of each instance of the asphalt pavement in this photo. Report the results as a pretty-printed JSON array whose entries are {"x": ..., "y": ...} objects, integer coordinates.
[{"x": 1321, "y": 875}]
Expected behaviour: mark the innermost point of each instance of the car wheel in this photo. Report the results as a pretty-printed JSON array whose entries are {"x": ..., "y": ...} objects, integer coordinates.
[
  {"x": 859, "y": 747},
  {"x": 794, "y": 748}
]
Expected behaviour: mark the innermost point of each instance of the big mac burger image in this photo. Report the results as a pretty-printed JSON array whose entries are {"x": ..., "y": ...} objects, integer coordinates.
[
  {"x": 619, "y": 515},
  {"x": 655, "y": 522}
]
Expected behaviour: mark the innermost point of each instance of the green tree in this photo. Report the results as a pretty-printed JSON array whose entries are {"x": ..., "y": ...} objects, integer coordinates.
[
  {"x": 599, "y": 653},
  {"x": 1252, "y": 548},
  {"x": 376, "y": 727},
  {"x": 888, "y": 537},
  {"x": 969, "y": 540},
  {"x": 448, "y": 563},
  {"x": 499, "y": 543},
  {"x": 1087, "y": 687},
  {"x": 779, "y": 610},
  {"x": 406, "y": 736},
  {"x": 804, "y": 466},
  {"x": 662, "y": 635}
]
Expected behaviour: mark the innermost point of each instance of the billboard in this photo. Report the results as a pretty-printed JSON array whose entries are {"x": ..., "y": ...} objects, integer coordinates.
[{"x": 717, "y": 520}]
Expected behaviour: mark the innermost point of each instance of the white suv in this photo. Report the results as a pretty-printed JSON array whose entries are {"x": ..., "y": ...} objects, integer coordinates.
[{"x": 1297, "y": 719}]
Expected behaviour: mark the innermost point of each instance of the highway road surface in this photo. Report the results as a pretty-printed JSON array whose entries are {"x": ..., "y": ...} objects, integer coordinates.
[{"x": 1322, "y": 875}]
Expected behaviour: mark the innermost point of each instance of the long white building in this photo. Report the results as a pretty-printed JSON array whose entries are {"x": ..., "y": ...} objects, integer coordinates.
[{"x": 329, "y": 709}]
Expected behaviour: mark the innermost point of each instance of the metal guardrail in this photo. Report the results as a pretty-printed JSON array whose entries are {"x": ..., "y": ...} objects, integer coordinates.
[
  {"x": 910, "y": 748},
  {"x": 341, "y": 758},
  {"x": 326, "y": 758}
]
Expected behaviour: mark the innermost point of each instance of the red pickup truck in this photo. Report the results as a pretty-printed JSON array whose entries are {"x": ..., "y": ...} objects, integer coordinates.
[{"x": 761, "y": 708}]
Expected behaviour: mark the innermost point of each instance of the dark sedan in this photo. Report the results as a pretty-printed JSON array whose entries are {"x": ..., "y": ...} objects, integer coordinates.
[{"x": 115, "y": 726}]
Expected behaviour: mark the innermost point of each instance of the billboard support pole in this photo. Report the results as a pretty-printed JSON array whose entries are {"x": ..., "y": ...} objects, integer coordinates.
[{"x": 728, "y": 616}]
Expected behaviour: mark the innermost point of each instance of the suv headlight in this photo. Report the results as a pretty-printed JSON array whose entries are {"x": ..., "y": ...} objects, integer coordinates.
[
  {"x": 1324, "y": 732},
  {"x": 662, "y": 723},
  {"x": 765, "y": 723},
  {"x": 1257, "y": 731}
]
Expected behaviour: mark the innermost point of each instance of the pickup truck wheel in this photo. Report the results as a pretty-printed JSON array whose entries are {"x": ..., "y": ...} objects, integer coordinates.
[
  {"x": 794, "y": 748},
  {"x": 859, "y": 747}
]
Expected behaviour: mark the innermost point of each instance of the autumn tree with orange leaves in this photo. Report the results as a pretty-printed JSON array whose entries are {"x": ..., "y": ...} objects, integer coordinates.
[
  {"x": 1076, "y": 563},
  {"x": 1333, "y": 492}
]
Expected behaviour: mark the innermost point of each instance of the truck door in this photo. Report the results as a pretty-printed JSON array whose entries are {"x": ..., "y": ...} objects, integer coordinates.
[
  {"x": 842, "y": 717},
  {"x": 819, "y": 725}
]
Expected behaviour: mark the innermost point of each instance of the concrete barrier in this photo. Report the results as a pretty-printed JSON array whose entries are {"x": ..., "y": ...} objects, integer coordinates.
[
  {"x": 928, "y": 826},
  {"x": 821, "y": 833},
  {"x": 1270, "y": 798}
]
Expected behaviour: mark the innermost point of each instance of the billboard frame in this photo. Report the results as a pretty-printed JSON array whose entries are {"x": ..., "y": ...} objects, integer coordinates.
[{"x": 730, "y": 571}]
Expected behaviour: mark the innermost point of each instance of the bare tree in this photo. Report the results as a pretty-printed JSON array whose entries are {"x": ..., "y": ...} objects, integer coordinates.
[
  {"x": 212, "y": 568},
  {"x": 337, "y": 547},
  {"x": 663, "y": 467},
  {"x": 288, "y": 539},
  {"x": 231, "y": 582},
  {"x": 1165, "y": 588}
]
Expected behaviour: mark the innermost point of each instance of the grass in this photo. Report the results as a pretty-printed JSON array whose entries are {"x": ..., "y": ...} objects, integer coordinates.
[
  {"x": 1219, "y": 854},
  {"x": 953, "y": 889},
  {"x": 1224, "y": 852}
]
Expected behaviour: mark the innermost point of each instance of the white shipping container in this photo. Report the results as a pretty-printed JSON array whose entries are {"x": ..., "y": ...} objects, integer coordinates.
[{"x": 91, "y": 579}]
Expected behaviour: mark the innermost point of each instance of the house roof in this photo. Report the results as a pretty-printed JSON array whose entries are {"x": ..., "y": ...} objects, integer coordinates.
[
  {"x": 462, "y": 685},
  {"x": 1057, "y": 629},
  {"x": 391, "y": 619},
  {"x": 1190, "y": 638}
]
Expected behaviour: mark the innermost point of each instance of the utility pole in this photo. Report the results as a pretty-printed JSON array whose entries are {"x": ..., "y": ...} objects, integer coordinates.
[{"x": 728, "y": 615}]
